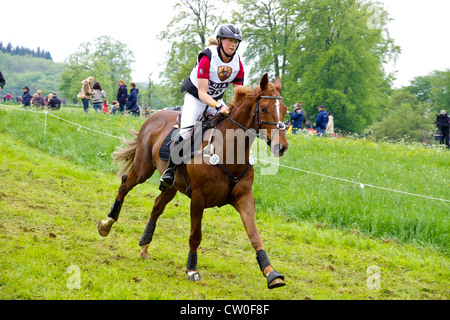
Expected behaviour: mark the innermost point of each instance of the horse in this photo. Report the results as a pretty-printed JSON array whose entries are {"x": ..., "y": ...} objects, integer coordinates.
[{"x": 257, "y": 111}]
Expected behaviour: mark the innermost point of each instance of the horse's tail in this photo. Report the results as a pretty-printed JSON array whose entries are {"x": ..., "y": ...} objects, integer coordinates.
[{"x": 125, "y": 156}]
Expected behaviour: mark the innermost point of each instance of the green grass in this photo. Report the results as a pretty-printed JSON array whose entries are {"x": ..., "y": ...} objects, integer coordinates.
[
  {"x": 320, "y": 233},
  {"x": 49, "y": 209},
  {"x": 380, "y": 213},
  {"x": 80, "y": 145}
]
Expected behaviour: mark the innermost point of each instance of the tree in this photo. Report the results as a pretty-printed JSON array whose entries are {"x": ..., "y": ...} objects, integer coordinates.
[
  {"x": 188, "y": 32},
  {"x": 338, "y": 60},
  {"x": 269, "y": 28},
  {"x": 440, "y": 93},
  {"x": 8, "y": 48},
  {"x": 409, "y": 119},
  {"x": 433, "y": 88},
  {"x": 107, "y": 60},
  {"x": 328, "y": 52}
]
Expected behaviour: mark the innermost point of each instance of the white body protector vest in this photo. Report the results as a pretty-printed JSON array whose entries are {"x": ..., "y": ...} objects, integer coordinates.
[{"x": 221, "y": 74}]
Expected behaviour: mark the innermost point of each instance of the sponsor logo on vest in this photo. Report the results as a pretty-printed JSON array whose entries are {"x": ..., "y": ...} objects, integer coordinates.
[{"x": 224, "y": 72}]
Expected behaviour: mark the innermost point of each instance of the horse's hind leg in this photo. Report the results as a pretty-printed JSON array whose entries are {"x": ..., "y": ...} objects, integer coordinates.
[
  {"x": 160, "y": 203},
  {"x": 129, "y": 181}
]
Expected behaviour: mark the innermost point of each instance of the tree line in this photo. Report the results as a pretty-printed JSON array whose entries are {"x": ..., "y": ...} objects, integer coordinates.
[
  {"x": 22, "y": 51},
  {"x": 327, "y": 52},
  {"x": 36, "y": 73}
]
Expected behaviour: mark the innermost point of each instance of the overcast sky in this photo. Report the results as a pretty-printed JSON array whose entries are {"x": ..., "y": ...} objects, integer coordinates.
[{"x": 420, "y": 28}]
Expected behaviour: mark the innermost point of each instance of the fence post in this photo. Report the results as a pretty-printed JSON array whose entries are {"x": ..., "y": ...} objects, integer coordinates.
[{"x": 45, "y": 125}]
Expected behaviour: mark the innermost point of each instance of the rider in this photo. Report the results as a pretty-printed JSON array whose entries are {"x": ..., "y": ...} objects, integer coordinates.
[{"x": 217, "y": 67}]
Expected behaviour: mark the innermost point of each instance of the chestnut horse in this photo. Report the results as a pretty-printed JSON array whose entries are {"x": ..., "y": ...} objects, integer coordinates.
[{"x": 260, "y": 111}]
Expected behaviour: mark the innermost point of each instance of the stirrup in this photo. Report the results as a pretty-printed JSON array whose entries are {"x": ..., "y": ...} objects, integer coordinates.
[{"x": 164, "y": 185}]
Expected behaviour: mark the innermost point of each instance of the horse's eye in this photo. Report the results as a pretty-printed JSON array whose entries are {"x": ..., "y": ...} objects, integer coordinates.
[{"x": 263, "y": 109}]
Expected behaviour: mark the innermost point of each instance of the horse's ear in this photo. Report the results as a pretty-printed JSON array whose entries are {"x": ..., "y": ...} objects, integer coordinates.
[
  {"x": 264, "y": 82},
  {"x": 278, "y": 84}
]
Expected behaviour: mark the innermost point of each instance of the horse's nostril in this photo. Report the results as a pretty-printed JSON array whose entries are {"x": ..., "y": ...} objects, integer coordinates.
[{"x": 278, "y": 149}]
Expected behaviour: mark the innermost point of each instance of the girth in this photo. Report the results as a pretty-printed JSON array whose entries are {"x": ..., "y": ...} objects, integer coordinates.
[{"x": 233, "y": 180}]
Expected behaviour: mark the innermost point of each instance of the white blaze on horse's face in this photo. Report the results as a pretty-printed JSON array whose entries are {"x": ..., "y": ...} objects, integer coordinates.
[{"x": 278, "y": 110}]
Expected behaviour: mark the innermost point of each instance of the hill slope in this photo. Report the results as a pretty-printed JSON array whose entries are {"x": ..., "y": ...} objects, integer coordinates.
[{"x": 36, "y": 73}]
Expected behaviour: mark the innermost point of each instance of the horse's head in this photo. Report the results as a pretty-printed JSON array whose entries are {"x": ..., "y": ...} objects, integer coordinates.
[{"x": 269, "y": 115}]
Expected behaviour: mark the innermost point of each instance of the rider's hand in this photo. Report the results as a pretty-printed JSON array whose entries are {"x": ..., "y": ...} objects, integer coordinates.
[{"x": 223, "y": 108}]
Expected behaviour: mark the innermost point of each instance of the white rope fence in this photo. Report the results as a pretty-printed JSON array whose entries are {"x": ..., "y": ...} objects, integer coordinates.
[
  {"x": 55, "y": 116},
  {"x": 362, "y": 185}
]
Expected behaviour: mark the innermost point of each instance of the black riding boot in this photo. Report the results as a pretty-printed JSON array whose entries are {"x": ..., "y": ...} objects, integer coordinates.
[{"x": 168, "y": 177}]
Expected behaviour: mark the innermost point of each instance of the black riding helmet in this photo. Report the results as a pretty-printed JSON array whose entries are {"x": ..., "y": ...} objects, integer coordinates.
[{"x": 231, "y": 32}]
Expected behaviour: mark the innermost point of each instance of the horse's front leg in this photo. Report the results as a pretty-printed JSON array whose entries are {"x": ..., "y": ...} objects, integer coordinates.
[
  {"x": 195, "y": 238},
  {"x": 245, "y": 205}
]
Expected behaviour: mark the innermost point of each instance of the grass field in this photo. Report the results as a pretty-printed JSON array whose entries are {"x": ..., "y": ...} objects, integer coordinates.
[{"x": 322, "y": 234}]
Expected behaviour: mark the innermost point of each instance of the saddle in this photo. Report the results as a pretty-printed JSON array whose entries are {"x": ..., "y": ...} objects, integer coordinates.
[{"x": 169, "y": 141}]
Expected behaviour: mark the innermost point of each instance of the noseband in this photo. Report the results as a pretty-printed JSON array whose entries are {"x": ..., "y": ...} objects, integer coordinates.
[{"x": 257, "y": 117}]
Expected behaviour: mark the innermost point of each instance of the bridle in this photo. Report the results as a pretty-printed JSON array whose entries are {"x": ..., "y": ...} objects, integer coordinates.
[{"x": 256, "y": 117}]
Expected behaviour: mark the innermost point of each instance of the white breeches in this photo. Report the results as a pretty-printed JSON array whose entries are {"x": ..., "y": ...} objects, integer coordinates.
[{"x": 191, "y": 111}]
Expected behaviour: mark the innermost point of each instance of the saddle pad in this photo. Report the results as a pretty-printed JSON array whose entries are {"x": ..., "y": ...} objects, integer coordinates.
[
  {"x": 164, "y": 151},
  {"x": 167, "y": 145}
]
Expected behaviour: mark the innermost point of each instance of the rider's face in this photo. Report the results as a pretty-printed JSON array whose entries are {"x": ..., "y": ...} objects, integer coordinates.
[{"x": 229, "y": 45}]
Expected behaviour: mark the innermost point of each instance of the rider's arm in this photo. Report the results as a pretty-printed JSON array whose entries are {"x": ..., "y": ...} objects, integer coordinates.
[
  {"x": 206, "y": 98},
  {"x": 203, "y": 92}
]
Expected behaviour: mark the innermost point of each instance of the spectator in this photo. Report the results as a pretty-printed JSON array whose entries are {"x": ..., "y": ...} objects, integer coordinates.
[
  {"x": 2, "y": 81},
  {"x": 54, "y": 102},
  {"x": 443, "y": 124},
  {"x": 132, "y": 100},
  {"x": 115, "y": 107},
  {"x": 321, "y": 121},
  {"x": 38, "y": 100},
  {"x": 8, "y": 97},
  {"x": 297, "y": 117},
  {"x": 122, "y": 95},
  {"x": 105, "y": 107},
  {"x": 48, "y": 98},
  {"x": 97, "y": 98},
  {"x": 26, "y": 97},
  {"x": 86, "y": 92},
  {"x": 330, "y": 125}
]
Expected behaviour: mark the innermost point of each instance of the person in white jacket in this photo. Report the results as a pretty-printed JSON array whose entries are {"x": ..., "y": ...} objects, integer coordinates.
[
  {"x": 98, "y": 96},
  {"x": 330, "y": 125}
]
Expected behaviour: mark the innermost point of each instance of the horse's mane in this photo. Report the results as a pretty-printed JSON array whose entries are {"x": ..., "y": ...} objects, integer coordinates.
[{"x": 241, "y": 93}]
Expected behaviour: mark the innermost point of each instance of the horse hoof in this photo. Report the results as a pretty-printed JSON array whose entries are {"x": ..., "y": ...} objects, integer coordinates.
[
  {"x": 104, "y": 227},
  {"x": 275, "y": 280},
  {"x": 144, "y": 252},
  {"x": 194, "y": 276},
  {"x": 276, "y": 283}
]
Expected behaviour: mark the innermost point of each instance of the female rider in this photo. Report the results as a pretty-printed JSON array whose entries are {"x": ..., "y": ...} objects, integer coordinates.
[{"x": 217, "y": 67}]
